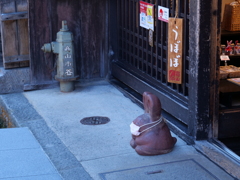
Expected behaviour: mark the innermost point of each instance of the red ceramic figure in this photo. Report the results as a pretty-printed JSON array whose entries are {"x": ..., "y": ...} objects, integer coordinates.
[{"x": 150, "y": 133}]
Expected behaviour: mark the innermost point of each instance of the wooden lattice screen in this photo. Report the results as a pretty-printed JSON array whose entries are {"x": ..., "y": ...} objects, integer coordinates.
[{"x": 136, "y": 54}]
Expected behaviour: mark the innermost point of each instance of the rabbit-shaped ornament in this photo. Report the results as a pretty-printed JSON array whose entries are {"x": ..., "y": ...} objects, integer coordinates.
[{"x": 150, "y": 133}]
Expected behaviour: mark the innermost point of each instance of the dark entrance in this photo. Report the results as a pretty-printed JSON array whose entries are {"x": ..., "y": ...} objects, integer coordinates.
[
  {"x": 229, "y": 91},
  {"x": 143, "y": 67},
  {"x": 192, "y": 106}
]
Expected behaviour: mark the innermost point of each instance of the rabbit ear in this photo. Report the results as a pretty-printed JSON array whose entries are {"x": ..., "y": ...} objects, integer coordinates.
[
  {"x": 146, "y": 101},
  {"x": 152, "y": 105}
]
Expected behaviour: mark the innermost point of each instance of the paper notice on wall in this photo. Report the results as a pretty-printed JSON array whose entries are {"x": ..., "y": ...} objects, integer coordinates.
[
  {"x": 147, "y": 15},
  {"x": 163, "y": 14}
]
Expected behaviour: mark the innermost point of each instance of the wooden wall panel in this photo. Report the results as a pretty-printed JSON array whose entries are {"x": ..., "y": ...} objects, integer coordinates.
[
  {"x": 88, "y": 22},
  {"x": 15, "y": 37},
  {"x": 10, "y": 47},
  {"x": 94, "y": 41},
  {"x": 21, "y": 5},
  {"x": 40, "y": 33},
  {"x": 24, "y": 36}
]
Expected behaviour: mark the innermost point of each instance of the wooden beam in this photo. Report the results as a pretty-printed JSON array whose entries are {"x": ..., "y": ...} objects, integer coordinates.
[
  {"x": 14, "y": 16},
  {"x": 17, "y": 58},
  {"x": 174, "y": 108}
]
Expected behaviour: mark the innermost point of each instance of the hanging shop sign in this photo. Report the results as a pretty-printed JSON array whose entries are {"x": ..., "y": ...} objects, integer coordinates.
[
  {"x": 163, "y": 13},
  {"x": 146, "y": 15},
  {"x": 150, "y": 37},
  {"x": 175, "y": 44}
]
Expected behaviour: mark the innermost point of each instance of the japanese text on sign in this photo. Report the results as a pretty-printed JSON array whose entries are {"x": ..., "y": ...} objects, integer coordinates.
[
  {"x": 175, "y": 33},
  {"x": 146, "y": 15},
  {"x": 68, "y": 61},
  {"x": 163, "y": 13}
]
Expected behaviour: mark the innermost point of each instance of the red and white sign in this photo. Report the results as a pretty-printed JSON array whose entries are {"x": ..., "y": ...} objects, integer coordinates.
[
  {"x": 224, "y": 58},
  {"x": 146, "y": 15},
  {"x": 163, "y": 13}
]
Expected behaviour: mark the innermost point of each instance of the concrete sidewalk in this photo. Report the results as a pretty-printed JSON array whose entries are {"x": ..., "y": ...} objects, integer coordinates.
[
  {"x": 22, "y": 158},
  {"x": 100, "y": 151}
]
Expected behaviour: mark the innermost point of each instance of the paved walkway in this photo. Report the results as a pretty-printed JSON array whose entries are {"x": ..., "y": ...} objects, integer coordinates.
[
  {"x": 22, "y": 158},
  {"x": 93, "y": 152}
]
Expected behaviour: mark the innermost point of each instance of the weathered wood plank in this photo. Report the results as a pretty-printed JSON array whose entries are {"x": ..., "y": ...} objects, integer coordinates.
[
  {"x": 8, "y": 7},
  {"x": 16, "y": 64},
  {"x": 16, "y": 58},
  {"x": 15, "y": 33},
  {"x": 40, "y": 33},
  {"x": 23, "y": 37},
  {"x": 87, "y": 20},
  {"x": 94, "y": 38},
  {"x": 14, "y": 16},
  {"x": 21, "y": 5},
  {"x": 10, "y": 41}
]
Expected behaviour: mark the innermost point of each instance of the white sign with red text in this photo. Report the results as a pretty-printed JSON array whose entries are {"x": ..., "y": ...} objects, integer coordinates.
[{"x": 163, "y": 14}]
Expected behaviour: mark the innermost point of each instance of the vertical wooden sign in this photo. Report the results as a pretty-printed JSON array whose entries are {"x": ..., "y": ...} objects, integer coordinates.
[{"x": 175, "y": 50}]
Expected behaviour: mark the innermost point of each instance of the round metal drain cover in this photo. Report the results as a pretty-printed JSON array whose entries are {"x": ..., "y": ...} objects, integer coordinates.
[{"x": 95, "y": 120}]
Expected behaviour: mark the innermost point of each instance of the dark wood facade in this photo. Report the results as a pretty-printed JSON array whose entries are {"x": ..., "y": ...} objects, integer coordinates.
[
  {"x": 87, "y": 20},
  {"x": 108, "y": 41},
  {"x": 107, "y": 33},
  {"x": 110, "y": 44},
  {"x": 143, "y": 68}
]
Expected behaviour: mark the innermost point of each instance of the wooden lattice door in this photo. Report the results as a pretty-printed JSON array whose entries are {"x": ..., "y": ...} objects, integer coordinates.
[{"x": 144, "y": 67}]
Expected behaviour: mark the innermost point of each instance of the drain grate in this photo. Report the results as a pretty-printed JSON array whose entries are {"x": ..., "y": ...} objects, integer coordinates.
[{"x": 95, "y": 120}]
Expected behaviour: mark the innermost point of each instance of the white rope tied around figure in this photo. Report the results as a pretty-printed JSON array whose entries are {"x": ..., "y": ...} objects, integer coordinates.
[
  {"x": 135, "y": 129},
  {"x": 236, "y": 2}
]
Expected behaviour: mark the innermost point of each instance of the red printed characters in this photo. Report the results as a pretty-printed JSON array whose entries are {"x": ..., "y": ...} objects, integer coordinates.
[{"x": 174, "y": 75}]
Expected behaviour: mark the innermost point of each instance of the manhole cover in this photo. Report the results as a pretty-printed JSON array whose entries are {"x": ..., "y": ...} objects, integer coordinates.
[{"x": 95, "y": 120}]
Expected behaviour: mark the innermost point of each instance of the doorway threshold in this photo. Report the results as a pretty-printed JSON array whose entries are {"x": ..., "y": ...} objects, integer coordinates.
[
  {"x": 217, "y": 152},
  {"x": 225, "y": 147}
]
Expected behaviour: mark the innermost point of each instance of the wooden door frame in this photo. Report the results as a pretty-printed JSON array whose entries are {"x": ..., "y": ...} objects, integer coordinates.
[
  {"x": 204, "y": 67},
  {"x": 204, "y": 37},
  {"x": 215, "y": 65}
]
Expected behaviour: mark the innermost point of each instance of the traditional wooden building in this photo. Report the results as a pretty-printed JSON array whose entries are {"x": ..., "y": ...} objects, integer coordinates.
[{"x": 110, "y": 44}]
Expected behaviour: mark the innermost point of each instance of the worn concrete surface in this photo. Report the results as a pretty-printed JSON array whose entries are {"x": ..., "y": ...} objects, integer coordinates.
[
  {"x": 100, "y": 151},
  {"x": 21, "y": 157}
]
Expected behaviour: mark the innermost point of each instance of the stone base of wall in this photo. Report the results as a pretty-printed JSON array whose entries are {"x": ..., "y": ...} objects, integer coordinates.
[{"x": 13, "y": 80}]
